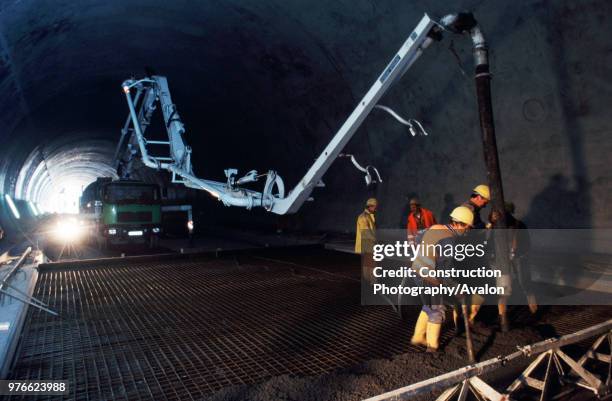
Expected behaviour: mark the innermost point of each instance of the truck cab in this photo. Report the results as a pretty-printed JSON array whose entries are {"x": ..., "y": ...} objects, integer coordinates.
[{"x": 122, "y": 212}]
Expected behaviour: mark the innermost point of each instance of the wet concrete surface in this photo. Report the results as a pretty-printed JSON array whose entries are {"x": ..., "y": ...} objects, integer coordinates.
[
  {"x": 267, "y": 324},
  {"x": 380, "y": 375}
]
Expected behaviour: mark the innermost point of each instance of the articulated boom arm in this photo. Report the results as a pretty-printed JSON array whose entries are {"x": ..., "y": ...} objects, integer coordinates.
[{"x": 152, "y": 90}]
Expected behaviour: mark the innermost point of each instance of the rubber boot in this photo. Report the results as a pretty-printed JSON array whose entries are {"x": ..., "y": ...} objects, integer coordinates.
[
  {"x": 433, "y": 336},
  {"x": 533, "y": 304},
  {"x": 473, "y": 313},
  {"x": 477, "y": 327},
  {"x": 458, "y": 322},
  {"x": 420, "y": 330}
]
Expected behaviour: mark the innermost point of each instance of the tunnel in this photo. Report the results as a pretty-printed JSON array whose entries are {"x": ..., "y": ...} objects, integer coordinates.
[{"x": 264, "y": 85}]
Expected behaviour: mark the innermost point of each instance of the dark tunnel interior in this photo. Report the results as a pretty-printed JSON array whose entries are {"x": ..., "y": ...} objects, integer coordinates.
[
  {"x": 265, "y": 85},
  {"x": 148, "y": 286}
]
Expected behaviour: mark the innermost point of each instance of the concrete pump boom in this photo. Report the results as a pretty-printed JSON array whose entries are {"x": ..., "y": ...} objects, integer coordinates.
[{"x": 151, "y": 90}]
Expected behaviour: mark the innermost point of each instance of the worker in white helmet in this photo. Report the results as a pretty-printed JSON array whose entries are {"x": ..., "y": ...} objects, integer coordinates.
[{"x": 429, "y": 322}]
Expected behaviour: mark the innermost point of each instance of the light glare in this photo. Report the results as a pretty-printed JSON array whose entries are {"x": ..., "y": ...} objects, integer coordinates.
[{"x": 68, "y": 230}]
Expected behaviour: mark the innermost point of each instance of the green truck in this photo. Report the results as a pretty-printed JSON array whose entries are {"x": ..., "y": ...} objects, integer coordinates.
[{"x": 121, "y": 212}]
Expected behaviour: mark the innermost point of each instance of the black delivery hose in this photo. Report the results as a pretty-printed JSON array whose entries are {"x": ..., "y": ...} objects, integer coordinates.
[{"x": 465, "y": 23}]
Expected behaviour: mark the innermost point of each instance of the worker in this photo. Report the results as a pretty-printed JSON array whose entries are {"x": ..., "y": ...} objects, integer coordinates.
[
  {"x": 481, "y": 195},
  {"x": 419, "y": 219},
  {"x": 502, "y": 301},
  {"x": 429, "y": 322},
  {"x": 365, "y": 237},
  {"x": 519, "y": 247},
  {"x": 519, "y": 251},
  {"x": 366, "y": 227}
]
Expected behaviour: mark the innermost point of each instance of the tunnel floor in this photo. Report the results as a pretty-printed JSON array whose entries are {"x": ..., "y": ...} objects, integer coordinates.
[{"x": 186, "y": 328}]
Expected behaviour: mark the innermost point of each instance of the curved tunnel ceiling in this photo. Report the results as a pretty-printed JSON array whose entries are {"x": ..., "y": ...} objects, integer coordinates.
[{"x": 265, "y": 84}]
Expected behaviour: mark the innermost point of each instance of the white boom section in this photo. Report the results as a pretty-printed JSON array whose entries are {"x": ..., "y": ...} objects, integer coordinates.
[
  {"x": 409, "y": 52},
  {"x": 272, "y": 198}
]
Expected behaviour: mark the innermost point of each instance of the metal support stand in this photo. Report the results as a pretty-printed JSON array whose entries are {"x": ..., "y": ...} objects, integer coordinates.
[
  {"x": 577, "y": 373},
  {"x": 558, "y": 366},
  {"x": 481, "y": 390}
]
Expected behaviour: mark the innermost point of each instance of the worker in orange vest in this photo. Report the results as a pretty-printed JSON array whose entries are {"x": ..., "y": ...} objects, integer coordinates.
[{"x": 419, "y": 219}]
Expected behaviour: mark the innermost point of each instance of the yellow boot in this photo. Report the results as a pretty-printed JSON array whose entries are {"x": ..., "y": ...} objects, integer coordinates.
[
  {"x": 456, "y": 316},
  {"x": 420, "y": 330},
  {"x": 533, "y": 304},
  {"x": 503, "y": 316},
  {"x": 458, "y": 321},
  {"x": 433, "y": 336}
]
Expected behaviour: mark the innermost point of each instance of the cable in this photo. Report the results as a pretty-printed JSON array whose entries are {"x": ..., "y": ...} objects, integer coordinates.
[
  {"x": 368, "y": 178},
  {"x": 410, "y": 123}
]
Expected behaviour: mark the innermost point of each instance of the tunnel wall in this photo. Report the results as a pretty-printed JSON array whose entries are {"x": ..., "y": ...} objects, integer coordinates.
[
  {"x": 264, "y": 84},
  {"x": 550, "y": 95}
]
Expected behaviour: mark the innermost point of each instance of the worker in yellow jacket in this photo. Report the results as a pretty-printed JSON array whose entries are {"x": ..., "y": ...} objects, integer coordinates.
[
  {"x": 365, "y": 238},
  {"x": 366, "y": 228}
]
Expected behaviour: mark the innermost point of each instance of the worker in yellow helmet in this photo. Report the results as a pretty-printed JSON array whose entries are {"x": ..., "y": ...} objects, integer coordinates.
[
  {"x": 481, "y": 196},
  {"x": 429, "y": 322},
  {"x": 366, "y": 227},
  {"x": 365, "y": 237}
]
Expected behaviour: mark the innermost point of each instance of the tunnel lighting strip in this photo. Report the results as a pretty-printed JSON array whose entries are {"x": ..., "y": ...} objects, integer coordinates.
[
  {"x": 12, "y": 206},
  {"x": 33, "y": 208}
]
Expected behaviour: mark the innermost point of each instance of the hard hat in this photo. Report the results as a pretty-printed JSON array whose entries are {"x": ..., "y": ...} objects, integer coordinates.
[
  {"x": 372, "y": 202},
  {"x": 415, "y": 201},
  {"x": 463, "y": 214},
  {"x": 483, "y": 190}
]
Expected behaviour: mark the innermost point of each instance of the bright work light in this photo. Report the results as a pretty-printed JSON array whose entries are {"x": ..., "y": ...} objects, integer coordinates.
[{"x": 68, "y": 230}]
